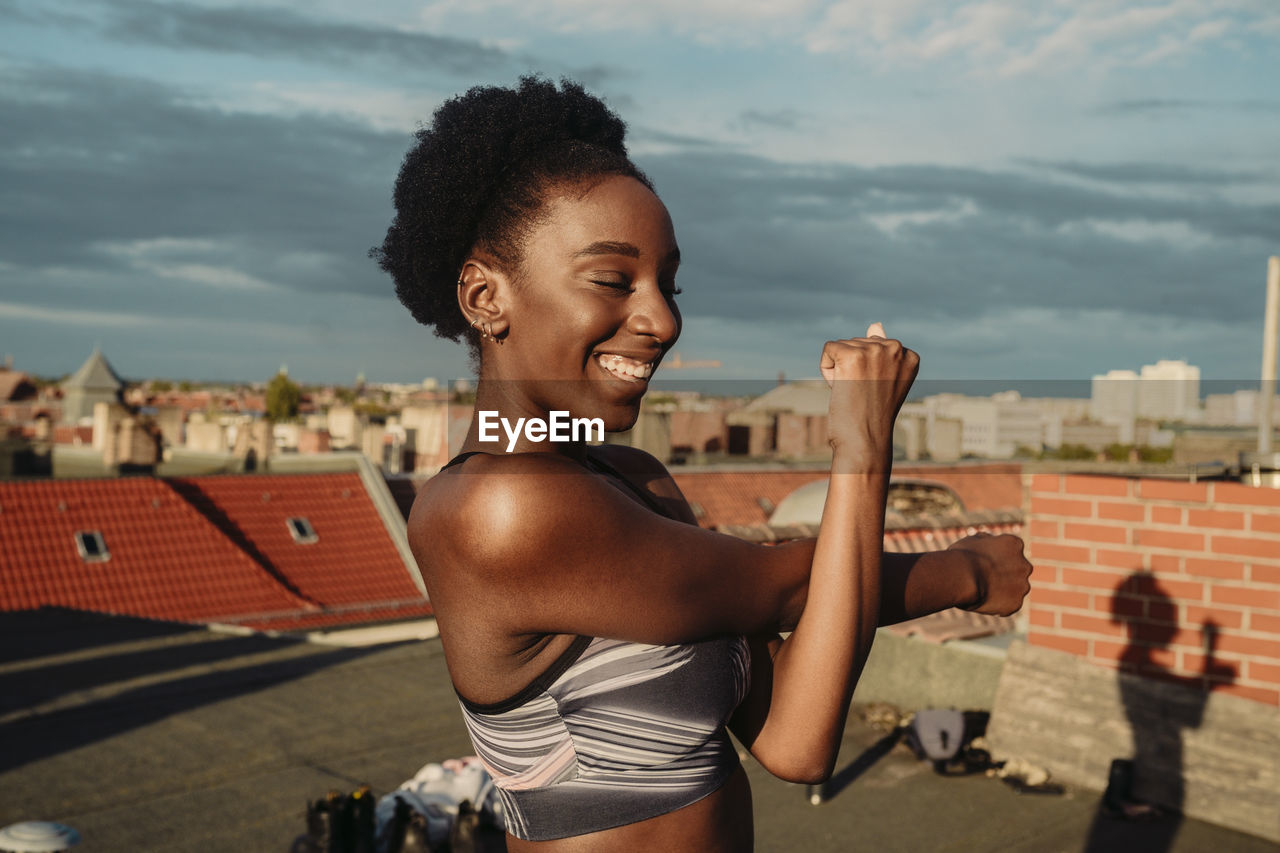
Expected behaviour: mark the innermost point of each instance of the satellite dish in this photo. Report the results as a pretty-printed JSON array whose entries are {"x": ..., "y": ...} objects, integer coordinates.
[{"x": 37, "y": 836}]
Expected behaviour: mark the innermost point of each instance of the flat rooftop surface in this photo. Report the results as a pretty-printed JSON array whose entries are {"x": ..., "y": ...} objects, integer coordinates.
[{"x": 154, "y": 737}]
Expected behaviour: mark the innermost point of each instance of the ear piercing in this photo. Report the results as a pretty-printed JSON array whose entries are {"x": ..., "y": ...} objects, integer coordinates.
[{"x": 486, "y": 331}]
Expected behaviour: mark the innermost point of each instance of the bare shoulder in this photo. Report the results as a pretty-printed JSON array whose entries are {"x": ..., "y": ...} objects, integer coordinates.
[
  {"x": 470, "y": 515},
  {"x": 533, "y": 545}
]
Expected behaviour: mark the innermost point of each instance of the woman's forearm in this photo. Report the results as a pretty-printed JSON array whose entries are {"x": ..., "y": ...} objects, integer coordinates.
[
  {"x": 816, "y": 668},
  {"x": 913, "y": 585}
]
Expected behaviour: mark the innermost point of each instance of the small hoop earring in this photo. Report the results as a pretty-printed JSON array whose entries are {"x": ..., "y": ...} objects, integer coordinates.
[{"x": 486, "y": 331}]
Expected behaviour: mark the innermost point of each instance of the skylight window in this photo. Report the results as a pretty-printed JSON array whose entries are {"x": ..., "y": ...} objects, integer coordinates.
[
  {"x": 92, "y": 547},
  {"x": 302, "y": 531}
]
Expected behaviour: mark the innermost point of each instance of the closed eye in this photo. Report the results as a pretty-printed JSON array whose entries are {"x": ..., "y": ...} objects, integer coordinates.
[{"x": 624, "y": 286}]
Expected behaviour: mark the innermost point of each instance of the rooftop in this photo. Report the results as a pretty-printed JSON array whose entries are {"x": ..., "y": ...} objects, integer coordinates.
[
  {"x": 95, "y": 374},
  {"x": 152, "y": 736}
]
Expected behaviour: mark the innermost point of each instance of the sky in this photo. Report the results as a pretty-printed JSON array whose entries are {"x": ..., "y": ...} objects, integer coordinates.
[{"x": 1017, "y": 189}]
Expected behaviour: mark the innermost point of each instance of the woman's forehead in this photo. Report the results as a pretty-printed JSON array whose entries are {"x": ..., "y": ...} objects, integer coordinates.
[{"x": 618, "y": 215}]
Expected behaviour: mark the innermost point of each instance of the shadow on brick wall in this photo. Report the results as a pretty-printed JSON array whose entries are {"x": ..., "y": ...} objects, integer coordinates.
[{"x": 1154, "y": 773}]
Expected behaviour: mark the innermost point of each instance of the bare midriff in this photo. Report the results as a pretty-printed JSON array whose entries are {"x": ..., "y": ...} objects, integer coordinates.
[{"x": 718, "y": 823}]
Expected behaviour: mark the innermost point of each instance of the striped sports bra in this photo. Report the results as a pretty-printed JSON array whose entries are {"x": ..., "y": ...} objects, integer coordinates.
[{"x": 613, "y": 732}]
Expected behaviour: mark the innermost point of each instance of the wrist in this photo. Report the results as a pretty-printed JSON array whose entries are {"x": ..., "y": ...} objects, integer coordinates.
[
  {"x": 972, "y": 589},
  {"x": 860, "y": 459}
]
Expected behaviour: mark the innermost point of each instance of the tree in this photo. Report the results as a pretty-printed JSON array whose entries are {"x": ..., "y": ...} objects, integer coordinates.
[
  {"x": 283, "y": 397},
  {"x": 1118, "y": 452},
  {"x": 1155, "y": 454}
]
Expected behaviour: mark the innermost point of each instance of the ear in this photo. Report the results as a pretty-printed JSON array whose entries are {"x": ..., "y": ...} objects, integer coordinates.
[{"x": 483, "y": 295}]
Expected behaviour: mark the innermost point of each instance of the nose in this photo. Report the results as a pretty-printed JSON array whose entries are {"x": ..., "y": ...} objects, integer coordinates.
[{"x": 654, "y": 315}]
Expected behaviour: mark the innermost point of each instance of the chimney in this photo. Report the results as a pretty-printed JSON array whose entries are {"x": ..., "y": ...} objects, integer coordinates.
[
  {"x": 1269, "y": 331},
  {"x": 1263, "y": 468}
]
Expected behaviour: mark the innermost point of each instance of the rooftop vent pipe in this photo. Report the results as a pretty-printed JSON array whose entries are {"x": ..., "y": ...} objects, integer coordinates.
[{"x": 1263, "y": 468}]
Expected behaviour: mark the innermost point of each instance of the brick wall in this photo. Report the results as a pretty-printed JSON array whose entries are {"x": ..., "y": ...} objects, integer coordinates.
[{"x": 1174, "y": 580}]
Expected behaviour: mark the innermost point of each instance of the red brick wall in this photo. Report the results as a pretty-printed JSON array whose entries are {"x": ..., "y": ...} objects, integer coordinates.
[{"x": 1128, "y": 573}]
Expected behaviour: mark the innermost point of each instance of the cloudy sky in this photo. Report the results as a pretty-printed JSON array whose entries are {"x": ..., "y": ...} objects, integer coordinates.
[{"x": 1017, "y": 189}]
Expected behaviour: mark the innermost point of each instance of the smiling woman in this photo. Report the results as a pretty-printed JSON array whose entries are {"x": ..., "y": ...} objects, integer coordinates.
[{"x": 602, "y": 645}]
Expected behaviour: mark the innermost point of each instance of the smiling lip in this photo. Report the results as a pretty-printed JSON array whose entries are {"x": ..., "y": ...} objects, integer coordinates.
[{"x": 624, "y": 367}]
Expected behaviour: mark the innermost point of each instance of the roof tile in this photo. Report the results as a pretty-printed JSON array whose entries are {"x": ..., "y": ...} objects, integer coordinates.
[
  {"x": 353, "y": 560},
  {"x": 166, "y": 561}
]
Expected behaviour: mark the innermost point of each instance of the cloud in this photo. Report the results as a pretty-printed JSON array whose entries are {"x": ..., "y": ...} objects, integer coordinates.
[
  {"x": 1176, "y": 236},
  {"x": 828, "y": 246},
  {"x": 128, "y": 180},
  {"x": 784, "y": 119},
  {"x": 70, "y": 316},
  {"x": 1172, "y": 174},
  {"x": 712, "y": 21},
  {"x": 380, "y": 109},
  {"x": 1011, "y": 38},
  {"x": 91, "y": 161},
  {"x": 164, "y": 257},
  {"x": 1177, "y": 106},
  {"x": 263, "y": 31}
]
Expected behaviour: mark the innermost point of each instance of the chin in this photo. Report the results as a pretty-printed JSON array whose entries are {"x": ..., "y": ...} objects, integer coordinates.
[
  {"x": 623, "y": 424},
  {"x": 620, "y": 418}
]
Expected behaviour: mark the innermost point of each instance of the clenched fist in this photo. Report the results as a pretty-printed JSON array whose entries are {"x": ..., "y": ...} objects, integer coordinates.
[
  {"x": 1001, "y": 572},
  {"x": 869, "y": 379}
]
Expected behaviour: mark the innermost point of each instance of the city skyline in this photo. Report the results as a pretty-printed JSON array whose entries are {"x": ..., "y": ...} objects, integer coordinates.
[
  {"x": 1019, "y": 192},
  {"x": 661, "y": 386}
]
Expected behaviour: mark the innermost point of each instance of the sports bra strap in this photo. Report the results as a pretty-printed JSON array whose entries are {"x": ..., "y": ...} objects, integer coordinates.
[
  {"x": 649, "y": 500},
  {"x": 598, "y": 465}
]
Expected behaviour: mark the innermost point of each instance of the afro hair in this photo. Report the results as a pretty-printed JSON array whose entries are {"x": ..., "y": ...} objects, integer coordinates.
[{"x": 477, "y": 178}]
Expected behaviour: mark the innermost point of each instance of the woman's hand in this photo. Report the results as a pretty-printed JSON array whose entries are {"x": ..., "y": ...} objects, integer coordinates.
[
  {"x": 869, "y": 379},
  {"x": 1001, "y": 572}
]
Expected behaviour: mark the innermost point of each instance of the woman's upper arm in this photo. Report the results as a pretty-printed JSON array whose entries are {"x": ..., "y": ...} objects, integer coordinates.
[
  {"x": 750, "y": 716},
  {"x": 559, "y": 550}
]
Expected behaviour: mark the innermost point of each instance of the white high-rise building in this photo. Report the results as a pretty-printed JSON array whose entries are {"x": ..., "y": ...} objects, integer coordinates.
[
  {"x": 1114, "y": 397},
  {"x": 1169, "y": 390}
]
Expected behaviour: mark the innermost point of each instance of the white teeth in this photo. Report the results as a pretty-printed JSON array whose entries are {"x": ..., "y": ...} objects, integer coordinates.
[{"x": 625, "y": 368}]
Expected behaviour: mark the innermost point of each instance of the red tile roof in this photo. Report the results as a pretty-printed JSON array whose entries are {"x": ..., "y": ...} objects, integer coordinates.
[
  {"x": 16, "y": 385},
  {"x": 353, "y": 561},
  {"x": 167, "y": 561},
  {"x": 205, "y": 549}
]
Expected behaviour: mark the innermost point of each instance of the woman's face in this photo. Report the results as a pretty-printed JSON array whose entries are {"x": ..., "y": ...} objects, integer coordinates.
[{"x": 594, "y": 309}]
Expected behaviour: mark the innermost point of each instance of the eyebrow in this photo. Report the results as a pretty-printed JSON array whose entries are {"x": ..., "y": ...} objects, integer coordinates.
[{"x": 609, "y": 247}]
